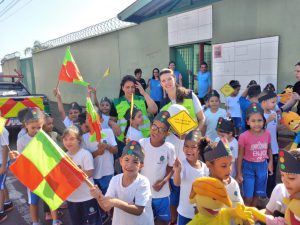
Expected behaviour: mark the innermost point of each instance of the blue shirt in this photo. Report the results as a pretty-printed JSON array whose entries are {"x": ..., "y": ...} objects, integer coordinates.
[
  {"x": 244, "y": 104},
  {"x": 156, "y": 92},
  {"x": 177, "y": 73},
  {"x": 204, "y": 82}
]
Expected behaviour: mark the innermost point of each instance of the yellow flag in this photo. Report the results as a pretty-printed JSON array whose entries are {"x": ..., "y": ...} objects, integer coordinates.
[
  {"x": 131, "y": 105},
  {"x": 107, "y": 72},
  {"x": 2, "y": 124}
]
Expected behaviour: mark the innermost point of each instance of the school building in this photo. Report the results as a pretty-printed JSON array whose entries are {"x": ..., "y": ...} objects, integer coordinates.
[{"x": 239, "y": 39}]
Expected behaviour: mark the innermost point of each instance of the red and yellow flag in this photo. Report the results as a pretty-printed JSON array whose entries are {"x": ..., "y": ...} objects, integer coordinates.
[
  {"x": 69, "y": 71},
  {"x": 47, "y": 170},
  {"x": 94, "y": 121}
]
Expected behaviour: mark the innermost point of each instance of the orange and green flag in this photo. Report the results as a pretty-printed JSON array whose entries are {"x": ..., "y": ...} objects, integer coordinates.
[
  {"x": 94, "y": 121},
  {"x": 69, "y": 71},
  {"x": 47, "y": 170}
]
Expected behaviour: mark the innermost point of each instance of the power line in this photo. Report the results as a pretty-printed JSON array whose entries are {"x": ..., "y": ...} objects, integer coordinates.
[
  {"x": 8, "y": 7},
  {"x": 15, "y": 11}
]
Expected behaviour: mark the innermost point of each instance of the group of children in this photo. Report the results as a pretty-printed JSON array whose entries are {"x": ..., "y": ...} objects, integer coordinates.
[{"x": 238, "y": 146}]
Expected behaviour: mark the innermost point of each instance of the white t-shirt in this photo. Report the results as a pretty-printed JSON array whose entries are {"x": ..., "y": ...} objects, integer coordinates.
[
  {"x": 188, "y": 175},
  {"x": 278, "y": 193},
  {"x": 155, "y": 164},
  {"x": 234, "y": 147},
  {"x": 134, "y": 134},
  {"x": 234, "y": 193},
  {"x": 211, "y": 120},
  {"x": 4, "y": 140},
  {"x": 178, "y": 144},
  {"x": 104, "y": 124},
  {"x": 104, "y": 164},
  {"x": 233, "y": 105},
  {"x": 22, "y": 142},
  {"x": 67, "y": 122},
  {"x": 196, "y": 103},
  {"x": 84, "y": 159},
  {"x": 272, "y": 128},
  {"x": 22, "y": 132},
  {"x": 137, "y": 193}
]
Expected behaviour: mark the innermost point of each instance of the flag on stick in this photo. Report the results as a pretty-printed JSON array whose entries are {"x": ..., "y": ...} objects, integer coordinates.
[
  {"x": 107, "y": 72},
  {"x": 131, "y": 105},
  {"x": 47, "y": 170},
  {"x": 94, "y": 121},
  {"x": 69, "y": 71}
]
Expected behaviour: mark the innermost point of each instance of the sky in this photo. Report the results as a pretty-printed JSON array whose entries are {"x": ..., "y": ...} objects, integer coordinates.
[{"x": 43, "y": 20}]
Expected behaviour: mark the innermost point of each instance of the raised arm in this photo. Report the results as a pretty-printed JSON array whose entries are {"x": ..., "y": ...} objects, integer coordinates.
[
  {"x": 60, "y": 105},
  {"x": 152, "y": 107}
]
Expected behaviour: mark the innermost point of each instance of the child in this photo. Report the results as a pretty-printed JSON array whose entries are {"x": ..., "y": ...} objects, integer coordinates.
[
  {"x": 290, "y": 174},
  {"x": 34, "y": 120},
  {"x": 73, "y": 113},
  {"x": 225, "y": 129},
  {"x": 129, "y": 192},
  {"x": 21, "y": 114},
  {"x": 254, "y": 150},
  {"x": 186, "y": 172},
  {"x": 267, "y": 100},
  {"x": 83, "y": 208},
  {"x": 103, "y": 157},
  {"x": 218, "y": 159},
  {"x": 83, "y": 124},
  {"x": 212, "y": 114},
  {"x": 158, "y": 166},
  {"x": 233, "y": 106},
  {"x": 4, "y": 149},
  {"x": 249, "y": 96},
  {"x": 132, "y": 131}
]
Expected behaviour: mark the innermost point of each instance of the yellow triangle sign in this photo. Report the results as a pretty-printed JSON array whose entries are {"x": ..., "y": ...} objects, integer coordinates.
[
  {"x": 227, "y": 90},
  {"x": 182, "y": 123}
]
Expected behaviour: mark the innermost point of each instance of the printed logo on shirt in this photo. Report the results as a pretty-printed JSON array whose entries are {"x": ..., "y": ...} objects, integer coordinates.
[
  {"x": 161, "y": 160},
  {"x": 259, "y": 150}
]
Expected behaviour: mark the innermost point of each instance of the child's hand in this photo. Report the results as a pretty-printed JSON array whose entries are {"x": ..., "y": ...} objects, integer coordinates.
[
  {"x": 158, "y": 185},
  {"x": 101, "y": 148},
  {"x": 228, "y": 114},
  {"x": 96, "y": 192},
  {"x": 13, "y": 155},
  {"x": 3, "y": 170},
  {"x": 239, "y": 178},
  {"x": 270, "y": 168},
  {"x": 56, "y": 93},
  {"x": 177, "y": 166},
  {"x": 140, "y": 88},
  {"x": 107, "y": 204},
  {"x": 273, "y": 116},
  {"x": 127, "y": 140}
]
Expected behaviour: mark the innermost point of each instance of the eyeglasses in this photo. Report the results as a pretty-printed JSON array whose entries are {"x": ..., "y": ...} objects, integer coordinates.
[{"x": 160, "y": 129}]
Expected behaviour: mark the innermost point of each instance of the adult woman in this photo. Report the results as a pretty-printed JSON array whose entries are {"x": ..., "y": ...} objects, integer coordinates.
[
  {"x": 156, "y": 92},
  {"x": 180, "y": 95},
  {"x": 177, "y": 74},
  {"x": 122, "y": 104}
]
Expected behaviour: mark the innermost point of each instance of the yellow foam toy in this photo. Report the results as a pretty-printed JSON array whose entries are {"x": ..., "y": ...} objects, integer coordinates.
[{"x": 292, "y": 121}]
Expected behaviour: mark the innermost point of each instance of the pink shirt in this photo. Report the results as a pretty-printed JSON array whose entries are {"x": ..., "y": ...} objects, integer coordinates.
[{"x": 255, "y": 147}]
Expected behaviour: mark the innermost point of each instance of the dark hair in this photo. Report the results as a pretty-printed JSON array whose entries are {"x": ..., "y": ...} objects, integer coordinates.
[
  {"x": 203, "y": 64},
  {"x": 172, "y": 62},
  {"x": 269, "y": 87},
  {"x": 205, "y": 145},
  {"x": 181, "y": 92},
  {"x": 124, "y": 80},
  {"x": 105, "y": 99},
  {"x": 297, "y": 64},
  {"x": 248, "y": 116},
  {"x": 82, "y": 118},
  {"x": 252, "y": 82},
  {"x": 138, "y": 70},
  {"x": 295, "y": 153},
  {"x": 153, "y": 77},
  {"x": 127, "y": 117}
]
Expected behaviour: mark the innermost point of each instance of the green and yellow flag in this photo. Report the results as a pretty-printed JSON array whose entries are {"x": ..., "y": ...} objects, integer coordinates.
[
  {"x": 47, "y": 170},
  {"x": 69, "y": 71}
]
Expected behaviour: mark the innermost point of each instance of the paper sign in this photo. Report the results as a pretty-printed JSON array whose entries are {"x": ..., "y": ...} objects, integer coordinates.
[
  {"x": 182, "y": 123},
  {"x": 227, "y": 90}
]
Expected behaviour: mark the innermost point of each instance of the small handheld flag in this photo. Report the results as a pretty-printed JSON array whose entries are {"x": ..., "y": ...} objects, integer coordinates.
[
  {"x": 69, "y": 71},
  {"x": 94, "y": 121}
]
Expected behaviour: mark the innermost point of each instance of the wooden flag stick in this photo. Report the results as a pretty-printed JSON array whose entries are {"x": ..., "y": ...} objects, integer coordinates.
[{"x": 57, "y": 84}]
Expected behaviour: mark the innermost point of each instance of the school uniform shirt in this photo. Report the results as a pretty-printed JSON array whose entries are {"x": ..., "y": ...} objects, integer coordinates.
[
  {"x": 4, "y": 140},
  {"x": 23, "y": 142},
  {"x": 67, "y": 122},
  {"x": 21, "y": 132},
  {"x": 233, "y": 105},
  {"x": 188, "y": 175},
  {"x": 234, "y": 147},
  {"x": 277, "y": 196},
  {"x": 104, "y": 164},
  {"x": 155, "y": 164},
  {"x": 134, "y": 134},
  {"x": 138, "y": 193},
  {"x": 211, "y": 120},
  {"x": 178, "y": 144},
  {"x": 272, "y": 128},
  {"x": 234, "y": 193},
  {"x": 84, "y": 159},
  {"x": 104, "y": 124}
]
